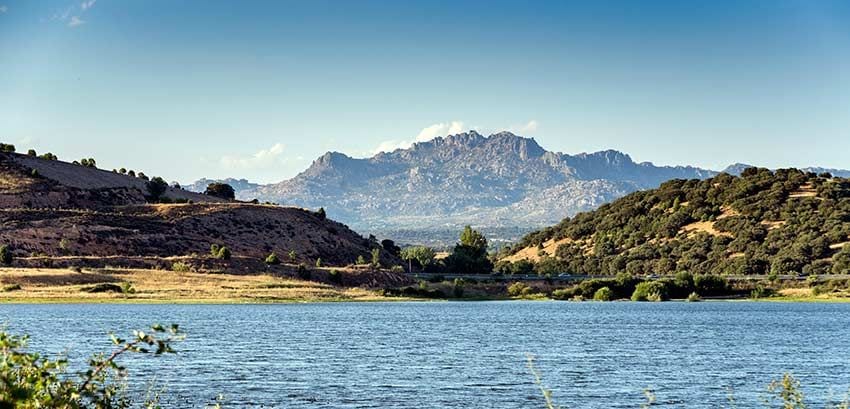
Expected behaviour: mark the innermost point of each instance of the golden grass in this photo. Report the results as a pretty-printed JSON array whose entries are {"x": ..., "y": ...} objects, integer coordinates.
[
  {"x": 703, "y": 227},
  {"x": 531, "y": 253},
  {"x": 161, "y": 286}
]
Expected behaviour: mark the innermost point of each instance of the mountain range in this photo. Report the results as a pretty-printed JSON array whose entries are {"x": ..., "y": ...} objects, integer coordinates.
[
  {"x": 492, "y": 182},
  {"x": 502, "y": 180}
]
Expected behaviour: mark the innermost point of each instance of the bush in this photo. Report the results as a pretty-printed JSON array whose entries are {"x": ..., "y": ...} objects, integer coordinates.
[
  {"x": 303, "y": 273},
  {"x": 708, "y": 284},
  {"x": 603, "y": 294},
  {"x": 272, "y": 259},
  {"x": 220, "y": 252},
  {"x": 563, "y": 294},
  {"x": 650, "y": 291},
  {"x": 321, "y": 213},
  {"x": 31, "y": 152},
  {"x": 5, "y": 255},
  {"x": 518, "y": 289},
  {"x": 181, "y": 267},
  {"x": 694, "y": 297},
  {"x": 335, "y": 277},
  {"x": 397, "y": 269},
  {"x": 360, "y": 260},
  {"x": 457, "y": 287},
  {"x": 11, "y": 287},
  {"x": 319, "y": 262},
  {"x": 7, "y": 148}
]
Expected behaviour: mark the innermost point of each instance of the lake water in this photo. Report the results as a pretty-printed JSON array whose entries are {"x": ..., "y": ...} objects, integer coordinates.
[{"x": 467, "y": 354}]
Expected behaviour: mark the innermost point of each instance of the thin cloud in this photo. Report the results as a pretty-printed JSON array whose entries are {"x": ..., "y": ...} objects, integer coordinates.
[
  {"x": 87, "y": 4},
  {"x": 265, "y": 158},
  {"x": 3, "y": 9},
  {"x": 531, "y": 126},
  {"x": 426, "y": 134},
  {"x": 75, "y": 22}
]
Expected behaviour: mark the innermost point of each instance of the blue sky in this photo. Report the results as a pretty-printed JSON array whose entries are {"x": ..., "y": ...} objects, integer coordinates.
[{"x": 258, "y": 89}]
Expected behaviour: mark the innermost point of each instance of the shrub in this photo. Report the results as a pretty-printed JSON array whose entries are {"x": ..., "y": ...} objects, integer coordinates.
[
  {"x": 34, "y": 173},
  {"x": 708, "y": 284},
  {"x": 457, "y": 287},
  {"x": 603, "y": 294},
  {"x": 5, "y": 255},
  {"x": 104, "y": 288},
  {"x": 127, "y": 288},
  {"x": 181, "y": 267},
  {"x": 518, "y": 289},
  {"x": 7, "y": 148},
  {"x": 321, "y": 213},
  {"x": 31, "y": 152},
  {"x": 563, "y": 294},
  {"x": 272, "y": 259},
  {"x": 319, "y": 262},
  {"x": 360, "y": 260},
  {"x": 650, "y": 291},
  {"x": 292, "y": 256},
  {"x": 303, "y": 273},
  {"x": 694, "y": 297},
  {"x": 49, "y": 156},
  {"x": 220, "y": 252},
  {"x": 11, "y": 287},
  {"x": 397, "y": 269},
  {"x": 335, "y": 277}
]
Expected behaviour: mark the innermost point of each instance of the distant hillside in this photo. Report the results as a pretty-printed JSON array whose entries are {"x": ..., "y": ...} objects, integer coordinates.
[
  {"x": 54, "y": 208},
  {"x": 503, "y": 180},
  {"x": 737, "y": 168},
  {"x": 785, "y": 222}
]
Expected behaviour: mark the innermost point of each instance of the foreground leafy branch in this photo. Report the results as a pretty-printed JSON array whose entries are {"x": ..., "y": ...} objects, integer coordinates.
[{"x": 28, "y": 380}]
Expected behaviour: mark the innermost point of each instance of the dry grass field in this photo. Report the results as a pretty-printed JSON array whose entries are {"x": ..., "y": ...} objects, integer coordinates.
[{"x": 160, "y": 286}]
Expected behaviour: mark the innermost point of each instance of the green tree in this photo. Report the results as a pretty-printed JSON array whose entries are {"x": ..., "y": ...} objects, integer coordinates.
[
  {"x": 322, "y": 214},
  {"x": 5, "y": 255},
  {"x": 376, "y": 258},
  {"x": 31, "y": 152},
  {"x": 220, "y": 190},
  {"x": 292, "y": 256},
  {"x": 7, "y": 148},
  {"x": 470, "y": 255},
  {"x": 272, "y": 259},
  {"x": 390, "y": 247},
  {"x": 360, "y": 260},
  {"x": 424, "y": 256},
  {"x": 841, "y": 261},
  {"x": 156, "y": 188}
]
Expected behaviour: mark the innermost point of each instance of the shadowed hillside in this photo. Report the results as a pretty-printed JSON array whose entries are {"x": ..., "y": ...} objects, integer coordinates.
[{"x": 54, "y": 208}]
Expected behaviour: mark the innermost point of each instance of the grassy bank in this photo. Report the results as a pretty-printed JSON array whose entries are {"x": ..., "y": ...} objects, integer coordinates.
[{"x": 38, "y": 285}]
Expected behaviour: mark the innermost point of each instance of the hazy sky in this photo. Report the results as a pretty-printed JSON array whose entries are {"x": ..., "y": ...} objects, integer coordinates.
[{"x": 258, "y": 89}]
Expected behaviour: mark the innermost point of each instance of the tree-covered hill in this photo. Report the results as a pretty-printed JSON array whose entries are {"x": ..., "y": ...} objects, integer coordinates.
[{"x": 764, "y": 222}]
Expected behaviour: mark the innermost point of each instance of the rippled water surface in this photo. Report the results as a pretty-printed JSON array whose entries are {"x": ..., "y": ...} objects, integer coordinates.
[{"x": 467, "y": 355}]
